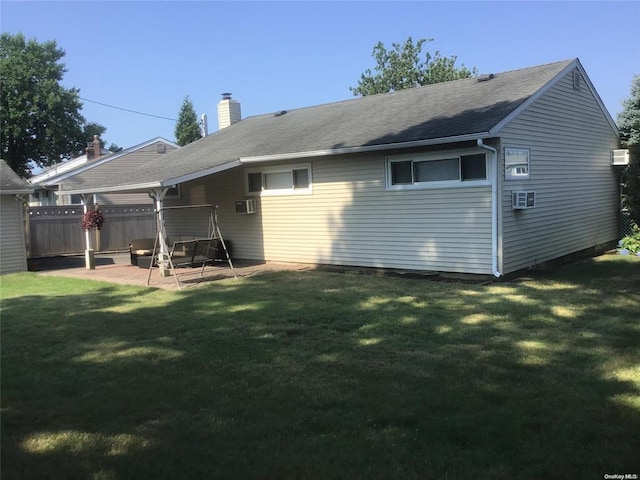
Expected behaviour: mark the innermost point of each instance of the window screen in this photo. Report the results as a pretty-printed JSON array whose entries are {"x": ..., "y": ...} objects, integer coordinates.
[
  {"x": 473, "y": 167},
  {"x": 401, "y": 173},
  {"x": 437, "y": 170}
]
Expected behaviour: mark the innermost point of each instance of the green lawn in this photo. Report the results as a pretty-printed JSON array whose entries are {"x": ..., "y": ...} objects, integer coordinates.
[{"x": 316, "y": 375}]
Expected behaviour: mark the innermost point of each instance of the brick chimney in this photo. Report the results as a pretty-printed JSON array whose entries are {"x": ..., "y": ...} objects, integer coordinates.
[
  {"x": 228, "y": 111},
  {"x": 93, "y": 149}
]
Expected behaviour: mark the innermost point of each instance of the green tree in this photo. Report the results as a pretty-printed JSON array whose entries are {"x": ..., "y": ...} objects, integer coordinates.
[
  {"x": 187, "y": 128},
  {"x": 41, "y": 122},
  {"x": 90, "y": 130},
  {"x": 114, "y": 148},
  {"x": 629, "y": 126},
  {"x": 405, "y": 66}
]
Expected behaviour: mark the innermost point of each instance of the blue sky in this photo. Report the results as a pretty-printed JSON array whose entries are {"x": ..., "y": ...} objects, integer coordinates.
[{"x": 147, "y": 56}]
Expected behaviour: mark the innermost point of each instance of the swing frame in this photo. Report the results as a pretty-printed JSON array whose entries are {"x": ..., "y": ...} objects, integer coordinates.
[{"x": 187, "y": 253}]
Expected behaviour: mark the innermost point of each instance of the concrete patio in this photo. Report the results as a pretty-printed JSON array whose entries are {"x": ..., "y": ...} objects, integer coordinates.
[{"x": 116, "y": 268}]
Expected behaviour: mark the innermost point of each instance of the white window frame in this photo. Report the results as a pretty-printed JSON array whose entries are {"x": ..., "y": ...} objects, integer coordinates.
[
  {"x": 279, "y": 169},
  {"x": 519, "y": 151},
  {"x": 440, "y": 155}
]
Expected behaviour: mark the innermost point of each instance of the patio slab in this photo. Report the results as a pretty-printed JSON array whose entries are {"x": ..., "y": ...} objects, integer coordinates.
[{"x": 116, "y": 268}]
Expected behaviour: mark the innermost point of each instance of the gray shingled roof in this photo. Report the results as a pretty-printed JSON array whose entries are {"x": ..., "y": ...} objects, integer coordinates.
[
  {"x": 465, "y": 108},
  {"x": 10, "y": 182}
]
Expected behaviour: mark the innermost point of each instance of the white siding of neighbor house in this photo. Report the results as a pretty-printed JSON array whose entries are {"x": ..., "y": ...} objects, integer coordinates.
[
  {"x": 13, "y": 255},
  {"x": 351, "y": 219},
  {"x": 576, "y": 188}
]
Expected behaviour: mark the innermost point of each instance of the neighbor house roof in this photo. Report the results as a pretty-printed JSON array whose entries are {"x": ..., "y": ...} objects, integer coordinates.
[
  {"x": 10, "y": 182},
  {"x": 61, "y": 168},
  {"x": 466, "y": 109},
  {"x": 53, "y": 178}
]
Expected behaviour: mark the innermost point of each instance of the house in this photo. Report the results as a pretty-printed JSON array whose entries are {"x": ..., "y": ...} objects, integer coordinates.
[
  {"x": 91, "y": 166},
  {"x": 484, "y": 175},
  {"x": 13, "y": 253}
]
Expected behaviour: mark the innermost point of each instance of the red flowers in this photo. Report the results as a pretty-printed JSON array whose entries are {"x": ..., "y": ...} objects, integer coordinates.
[{"x": 92, "y": 219}]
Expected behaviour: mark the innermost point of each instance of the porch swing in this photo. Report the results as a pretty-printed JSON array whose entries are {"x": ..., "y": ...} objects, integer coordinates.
[{"x": 187, "y": 250}]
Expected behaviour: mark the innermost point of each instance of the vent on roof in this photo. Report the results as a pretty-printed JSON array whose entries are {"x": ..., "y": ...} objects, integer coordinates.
[{"x": 485, "y": 78}]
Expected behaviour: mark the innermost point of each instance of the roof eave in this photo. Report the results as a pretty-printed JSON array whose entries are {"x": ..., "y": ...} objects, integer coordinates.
[
  {"x": 17, "y": 192},
  {"x": 364, "y": 148},
  {"x": 201, "y": 173},
  {"x": 142, "y": 187}
]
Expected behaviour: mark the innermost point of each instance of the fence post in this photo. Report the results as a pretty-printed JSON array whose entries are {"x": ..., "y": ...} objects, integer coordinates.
[{"x": 27, "y": 229}]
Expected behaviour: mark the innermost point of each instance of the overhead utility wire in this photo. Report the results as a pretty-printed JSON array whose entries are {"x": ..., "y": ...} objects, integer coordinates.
[{"x": 127, "y": 110}]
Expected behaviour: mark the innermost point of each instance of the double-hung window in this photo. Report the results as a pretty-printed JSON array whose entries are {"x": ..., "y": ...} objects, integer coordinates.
[
  {"x": 284, "y": 180},
  {"x": 433, "y": 170}
]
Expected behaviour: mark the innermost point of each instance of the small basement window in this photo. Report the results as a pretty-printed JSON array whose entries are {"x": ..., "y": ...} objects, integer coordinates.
[
  {"x": 284, "y": 180},
  {"x": 424, "y": 171}
]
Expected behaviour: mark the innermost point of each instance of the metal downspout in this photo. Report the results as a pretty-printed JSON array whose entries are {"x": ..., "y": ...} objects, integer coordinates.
[{"x": 494, "y": 208}]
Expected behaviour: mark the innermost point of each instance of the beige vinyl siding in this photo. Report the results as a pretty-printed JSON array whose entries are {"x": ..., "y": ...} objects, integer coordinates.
[
  {"x": 13, "y": 255},
  {"x": 351, "y": 219},
  {"x": 576, "y": 189}
]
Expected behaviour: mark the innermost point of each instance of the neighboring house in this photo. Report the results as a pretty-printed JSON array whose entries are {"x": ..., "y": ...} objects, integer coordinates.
[
  {"x": 89, "y": 167},
  {"x": 13, "y": 253},
  {"x": 484, "y": 175}
]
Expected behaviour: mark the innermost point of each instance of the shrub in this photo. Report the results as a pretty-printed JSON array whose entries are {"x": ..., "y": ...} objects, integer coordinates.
[{"x": 631, "y": 243}]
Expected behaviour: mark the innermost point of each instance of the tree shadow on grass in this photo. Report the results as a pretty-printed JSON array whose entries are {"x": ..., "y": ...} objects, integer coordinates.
[{"x": 319, "y": 375}]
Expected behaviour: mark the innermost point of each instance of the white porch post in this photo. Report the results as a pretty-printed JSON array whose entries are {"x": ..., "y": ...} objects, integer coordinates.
[
  {"x": 158, "y": 195},
  {"x": 89, "y": 254}
]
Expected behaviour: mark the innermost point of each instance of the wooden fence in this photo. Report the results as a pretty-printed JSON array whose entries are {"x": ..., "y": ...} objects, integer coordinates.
[{"x": 57, "y": 230}]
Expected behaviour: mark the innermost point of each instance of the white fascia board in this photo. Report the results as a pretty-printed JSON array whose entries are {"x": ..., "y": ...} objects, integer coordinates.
[
  {"x": 150, "y": 185},
  {"x": 57, "y": 170},
  {"x": 202, "y": 173},
  {"x": 364, "y": 149},
  {"x": 111, "y": 189},
  {"x": 16, "y": 192}
]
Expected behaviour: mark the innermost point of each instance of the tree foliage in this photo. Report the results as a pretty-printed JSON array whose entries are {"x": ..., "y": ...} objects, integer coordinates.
[
  {"x": 41, "y": 121},
  {"x": 187, "y": 128},
  {"x": 405, "y": 66},
  {"x": 629, "y": 126},
  {"x": 92, "y": 129}
]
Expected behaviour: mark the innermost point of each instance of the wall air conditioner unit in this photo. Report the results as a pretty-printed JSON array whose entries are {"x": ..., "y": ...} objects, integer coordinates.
[
  {"x": 620, "y": 157},
  {"x": 246, "y": 206},
  {"x": 523, "y": 200}
]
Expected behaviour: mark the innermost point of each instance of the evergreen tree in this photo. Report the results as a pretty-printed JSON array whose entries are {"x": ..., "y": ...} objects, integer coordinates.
[
  {"x": 187, "y": 128},
  {"x": 629, "y": 125},
  {"x": 405, "y": 67}
]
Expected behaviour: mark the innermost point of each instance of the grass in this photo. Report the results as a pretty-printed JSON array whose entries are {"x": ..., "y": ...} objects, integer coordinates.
[{"x": 321, "y": 375}]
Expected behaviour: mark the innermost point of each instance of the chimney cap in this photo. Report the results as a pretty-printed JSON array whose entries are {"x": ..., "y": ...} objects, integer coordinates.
[{"x": 226, "y": 96}]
